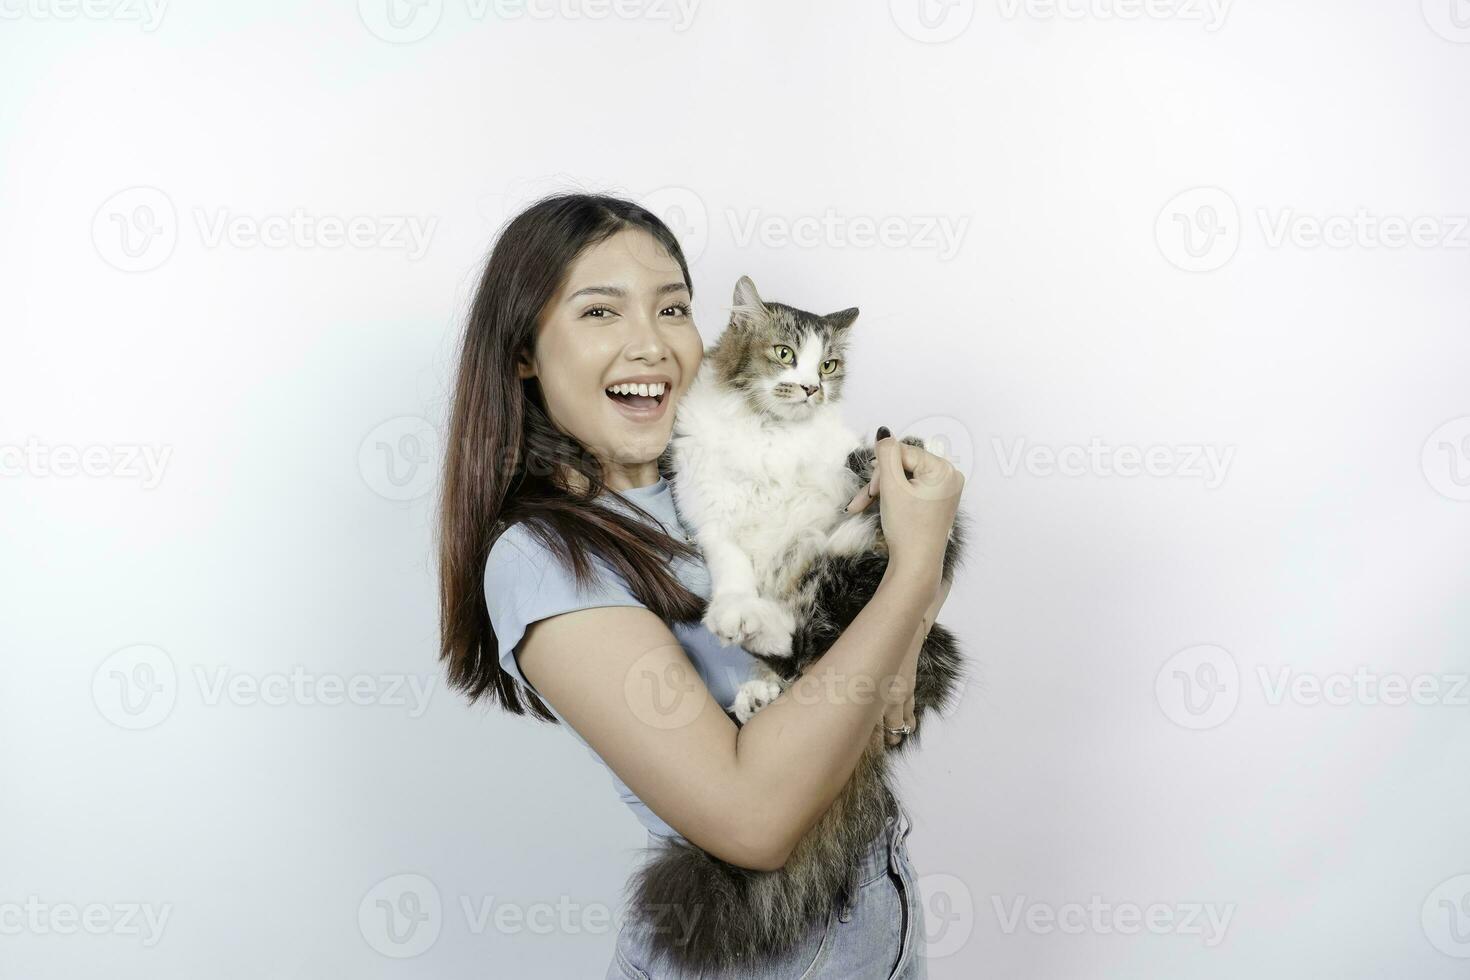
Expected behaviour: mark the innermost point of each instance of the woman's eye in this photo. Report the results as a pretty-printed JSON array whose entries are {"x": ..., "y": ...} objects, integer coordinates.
[
  {"x": 599, "y": 309},
  {"x": 679, "y": 309}
]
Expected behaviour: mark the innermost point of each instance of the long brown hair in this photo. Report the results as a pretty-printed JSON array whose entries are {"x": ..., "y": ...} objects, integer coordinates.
[{"x": 505, "y": 462}]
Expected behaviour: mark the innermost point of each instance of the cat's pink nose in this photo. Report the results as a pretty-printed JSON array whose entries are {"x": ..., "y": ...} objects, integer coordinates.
[{"x": 810, "y": 389}]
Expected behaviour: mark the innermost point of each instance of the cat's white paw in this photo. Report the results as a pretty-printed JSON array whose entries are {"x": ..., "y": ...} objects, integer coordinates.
[
  {"x": 753, "y": 696},
  {"x": 772, "y": 636},
  {"x": 759, "y": 625}
]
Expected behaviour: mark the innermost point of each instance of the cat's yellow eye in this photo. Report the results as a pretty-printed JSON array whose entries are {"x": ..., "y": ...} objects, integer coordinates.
[
  {"x": 829, "y": 365},
  {"x": 784, "y": 354}
]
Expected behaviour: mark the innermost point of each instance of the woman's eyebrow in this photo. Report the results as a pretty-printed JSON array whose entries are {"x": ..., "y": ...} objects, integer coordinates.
[{"x": 620, "y": 292}]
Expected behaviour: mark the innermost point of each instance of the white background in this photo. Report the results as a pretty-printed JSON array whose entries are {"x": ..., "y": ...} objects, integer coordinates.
[{"x": 1119, "y": 187}]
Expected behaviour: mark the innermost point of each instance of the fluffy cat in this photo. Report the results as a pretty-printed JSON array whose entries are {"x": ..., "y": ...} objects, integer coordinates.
[{"x": 762, "y": 468}]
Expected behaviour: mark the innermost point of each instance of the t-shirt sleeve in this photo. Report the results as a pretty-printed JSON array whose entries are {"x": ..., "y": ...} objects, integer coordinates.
[{"x": 526, "y": 582}]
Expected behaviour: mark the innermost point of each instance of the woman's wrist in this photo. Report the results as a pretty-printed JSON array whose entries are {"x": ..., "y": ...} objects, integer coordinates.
[{"x": 916, "y": 582}]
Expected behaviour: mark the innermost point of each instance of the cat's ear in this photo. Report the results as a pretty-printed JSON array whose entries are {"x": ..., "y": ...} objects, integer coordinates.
[
  {"x": 749, "y": 307},
  {"x": 745, "y": 294},
  {"x": 842, "y": 319}
]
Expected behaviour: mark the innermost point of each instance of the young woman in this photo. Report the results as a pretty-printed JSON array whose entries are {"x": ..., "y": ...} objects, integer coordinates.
[{"x": 570, "y": 590}]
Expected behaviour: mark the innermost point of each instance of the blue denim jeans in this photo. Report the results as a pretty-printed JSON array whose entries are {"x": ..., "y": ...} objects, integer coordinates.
[{"x": 875, "y": 935}]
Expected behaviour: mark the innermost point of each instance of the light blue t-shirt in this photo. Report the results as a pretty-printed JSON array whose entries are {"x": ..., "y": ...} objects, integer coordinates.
[{"x": 524, "y": 582}]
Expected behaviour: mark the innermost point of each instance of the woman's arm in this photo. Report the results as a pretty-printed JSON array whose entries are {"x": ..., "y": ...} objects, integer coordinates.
[
  {"x": 745, "y": 795},
  {"x": 900, "y": 699},
  {"x": 620, "y": 678},
  {"x": 800, "y": 750}
]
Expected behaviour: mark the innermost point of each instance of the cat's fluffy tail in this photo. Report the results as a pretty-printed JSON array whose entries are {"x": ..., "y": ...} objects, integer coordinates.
[{"x": 701, "y": 914}]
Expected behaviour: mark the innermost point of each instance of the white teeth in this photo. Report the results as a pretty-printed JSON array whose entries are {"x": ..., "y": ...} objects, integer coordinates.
[{"x": 647, "y": 390}]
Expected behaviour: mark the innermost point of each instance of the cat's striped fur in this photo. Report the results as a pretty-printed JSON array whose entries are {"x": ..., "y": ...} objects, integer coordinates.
[{"x": 760, "y": 475}]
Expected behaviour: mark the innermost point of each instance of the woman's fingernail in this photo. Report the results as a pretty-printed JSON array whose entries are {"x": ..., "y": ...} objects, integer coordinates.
[{"x": 883, "y": 432}]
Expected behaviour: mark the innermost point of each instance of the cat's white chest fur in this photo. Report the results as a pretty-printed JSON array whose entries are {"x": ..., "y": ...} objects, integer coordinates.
[{"x": 762, "y": 497}]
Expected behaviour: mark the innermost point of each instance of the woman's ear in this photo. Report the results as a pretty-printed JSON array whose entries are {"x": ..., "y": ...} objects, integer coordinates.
[{"x": 525, "y": 366}]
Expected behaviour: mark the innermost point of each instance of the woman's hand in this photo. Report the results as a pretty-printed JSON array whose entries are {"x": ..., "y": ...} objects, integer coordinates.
[
  {"x": 918, "y": 495},
  {"x": 900, "y": 693}
]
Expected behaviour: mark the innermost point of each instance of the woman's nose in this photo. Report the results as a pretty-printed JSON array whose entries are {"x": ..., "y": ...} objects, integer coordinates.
[{"x": 646, "y": 344}]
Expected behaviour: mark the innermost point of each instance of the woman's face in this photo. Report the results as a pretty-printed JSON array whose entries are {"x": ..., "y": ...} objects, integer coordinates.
[{"x": 621, "y": 316}]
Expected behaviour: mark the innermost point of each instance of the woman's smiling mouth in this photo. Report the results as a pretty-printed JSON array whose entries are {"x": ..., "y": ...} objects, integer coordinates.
[{"x": 640, "y": 399}]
